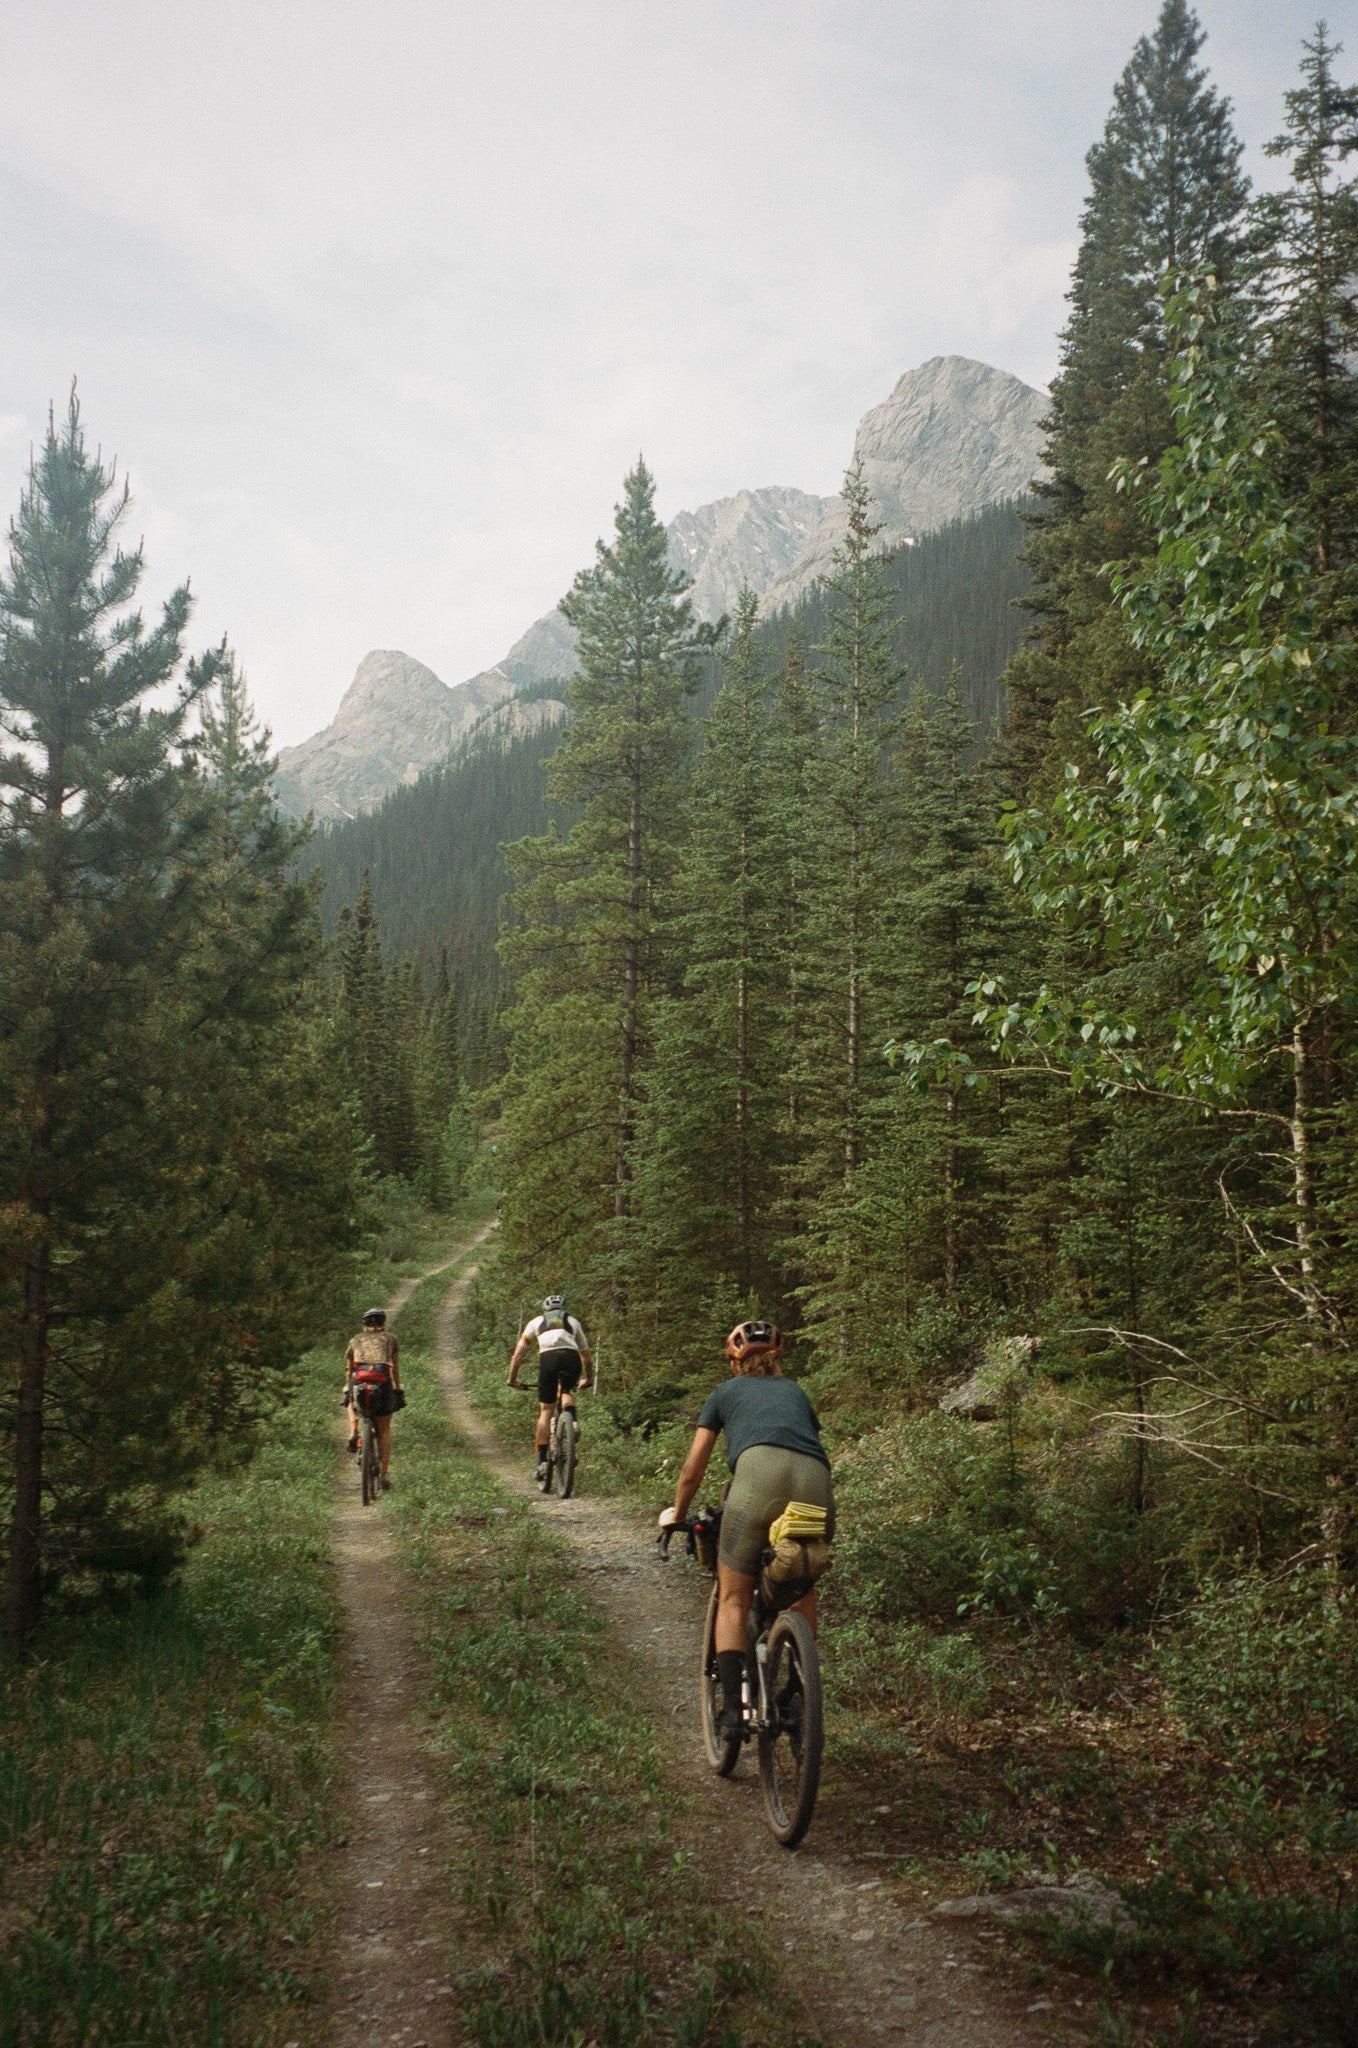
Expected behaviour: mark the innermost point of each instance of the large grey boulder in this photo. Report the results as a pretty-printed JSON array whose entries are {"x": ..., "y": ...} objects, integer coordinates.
[
  {"x": 1001, "y": 1379},
  {"x": 1082, "y": 1899}
]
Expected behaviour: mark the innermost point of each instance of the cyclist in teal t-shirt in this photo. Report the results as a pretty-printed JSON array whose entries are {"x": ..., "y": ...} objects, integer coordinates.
[{"x": 774, "y": 1450}]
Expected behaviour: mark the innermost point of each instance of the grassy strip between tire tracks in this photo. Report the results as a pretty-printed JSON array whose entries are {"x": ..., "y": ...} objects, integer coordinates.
[
  {"x": 165, "y": 1767},
  {"x": 582, "y": 1920}
]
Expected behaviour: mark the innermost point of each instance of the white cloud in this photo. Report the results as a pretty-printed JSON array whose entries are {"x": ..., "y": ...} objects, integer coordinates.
[{"x": 378, "y": 301}]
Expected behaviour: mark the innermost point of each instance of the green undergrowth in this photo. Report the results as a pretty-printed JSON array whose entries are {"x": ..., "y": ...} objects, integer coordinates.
[
  {"x": 1026, "y": 1683},
  {"x": 165, "y": 1766},
  {"x": 163, "y": 1776},
  {"x": 582, "y": 1918}
]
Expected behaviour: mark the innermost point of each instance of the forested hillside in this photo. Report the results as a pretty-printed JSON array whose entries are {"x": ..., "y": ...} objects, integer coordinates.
[
  {"x": 432, "y": 854},
  {"x": 433, "y": 851}
]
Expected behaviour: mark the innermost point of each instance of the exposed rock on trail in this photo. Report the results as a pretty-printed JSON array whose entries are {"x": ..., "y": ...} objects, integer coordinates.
[
  {"x": 1079, "y": 1900},
  {"x": 861, "y": 1963}
]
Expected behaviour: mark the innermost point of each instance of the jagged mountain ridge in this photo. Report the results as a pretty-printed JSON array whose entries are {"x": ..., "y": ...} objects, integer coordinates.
[
  {"x": 370, "y": 748},
  {"x": 953, "y": 437}
]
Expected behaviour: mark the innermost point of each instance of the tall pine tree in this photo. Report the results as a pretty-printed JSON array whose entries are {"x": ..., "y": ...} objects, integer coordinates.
[
  {"x": 588, "y": 905},
  {"x": 1167, "y": 196}
]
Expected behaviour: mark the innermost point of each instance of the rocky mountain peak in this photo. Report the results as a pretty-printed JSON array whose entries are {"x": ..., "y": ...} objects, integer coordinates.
[
  {"x": 395, "y": 718},
  {"x": 953, "y": 437}
]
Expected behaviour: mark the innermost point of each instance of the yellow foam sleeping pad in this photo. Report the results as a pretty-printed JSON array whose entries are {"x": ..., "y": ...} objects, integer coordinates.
[
  {"x": 801, "y": 1553},
  {"x": 800, "y": 1521}
]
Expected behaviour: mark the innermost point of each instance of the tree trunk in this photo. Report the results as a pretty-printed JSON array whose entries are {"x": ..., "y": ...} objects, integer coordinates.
[
  {"x": 950, "y": 1195},
  {"x": 25, "y": 1550},
  {"x": 743, "y": 1079},
  {"x": 1134, "y": 1324},
  {"x": 1299, "y": 1128},
  {"x": 627, "y": 1051},
  {"x": 24, "y": 1593}
]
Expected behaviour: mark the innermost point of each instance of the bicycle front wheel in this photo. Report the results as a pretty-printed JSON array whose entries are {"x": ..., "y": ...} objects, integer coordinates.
[
  {"x": 722, "y": 1751},
  {"x": 565, "y": 1452},
  {"x": 790, "y": 1746},
  {"x": 370, "y": 1463}
]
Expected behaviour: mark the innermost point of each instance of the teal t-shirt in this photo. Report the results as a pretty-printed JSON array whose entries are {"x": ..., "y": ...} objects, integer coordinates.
[{"x": 755, "y": 1410}]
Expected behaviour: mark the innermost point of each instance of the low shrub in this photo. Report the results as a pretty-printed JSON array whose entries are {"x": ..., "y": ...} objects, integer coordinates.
[{"x": 1264, "y": 1674}]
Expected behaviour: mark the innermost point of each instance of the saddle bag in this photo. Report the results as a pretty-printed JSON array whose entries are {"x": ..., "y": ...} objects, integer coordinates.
[{"x": 798, "y": 1554}]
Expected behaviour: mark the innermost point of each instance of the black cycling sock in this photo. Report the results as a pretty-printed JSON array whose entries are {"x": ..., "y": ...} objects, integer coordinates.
[{"x": 731, "y": 1672}]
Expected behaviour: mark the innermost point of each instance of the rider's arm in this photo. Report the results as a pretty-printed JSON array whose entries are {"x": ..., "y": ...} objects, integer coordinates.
[
  {"x": 520, "y": 1353},
  {"x": 695, "y": 1467},
  {"x": 395, "y": 1362},
  {"x": 348, "y": 1371},
  {"x": 582, "y": 1346}
]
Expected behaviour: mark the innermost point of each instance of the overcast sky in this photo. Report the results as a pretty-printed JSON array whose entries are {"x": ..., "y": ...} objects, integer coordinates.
[{"x": 376, "y": 300}]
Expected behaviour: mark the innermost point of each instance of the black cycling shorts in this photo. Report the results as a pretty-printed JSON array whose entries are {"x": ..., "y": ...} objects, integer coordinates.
[{"x": 560, "y": 1368}]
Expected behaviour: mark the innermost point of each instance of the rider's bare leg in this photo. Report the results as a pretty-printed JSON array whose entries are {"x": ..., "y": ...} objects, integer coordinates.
[
  {"x": 383, "y": 1426},
  {"x": 544, "y": 1435},
  {"x": 735, "y": 1590}
]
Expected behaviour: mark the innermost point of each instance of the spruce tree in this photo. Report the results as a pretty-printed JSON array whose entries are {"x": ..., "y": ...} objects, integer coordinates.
[
  {"x": 588, "y": 904},
  {"x": 91, "y": 801},
  {"x": 369, "y": 1026},
  {"x": 850, "y": 810},
  {"x": 442, "y": 1122},
  {"x": 792, "y": 744},
  {"x": 174, "y": 1181},
  {"x": 1166, "y": 197},
  {"x": 1310, "y": 230},
  {"x": 707, "y": 1178}
]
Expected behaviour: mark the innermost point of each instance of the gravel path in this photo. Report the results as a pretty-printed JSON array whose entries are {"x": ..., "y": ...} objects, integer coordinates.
[
  {"x": 392, "y": 1924},
  {"x": 864, "y": 1967}
]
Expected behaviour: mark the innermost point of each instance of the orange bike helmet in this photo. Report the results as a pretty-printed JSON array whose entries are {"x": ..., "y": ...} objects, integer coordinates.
[{"x": 753, "y": 1340}]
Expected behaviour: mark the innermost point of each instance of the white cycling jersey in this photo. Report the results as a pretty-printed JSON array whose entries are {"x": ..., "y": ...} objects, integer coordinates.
[{"x": 570, "y": 1337}]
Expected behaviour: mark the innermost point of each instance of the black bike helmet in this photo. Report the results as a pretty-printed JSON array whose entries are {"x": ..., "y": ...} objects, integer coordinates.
[
  {"x": 374, "y": 1318},
  {"x": 554, "y": 1305}
]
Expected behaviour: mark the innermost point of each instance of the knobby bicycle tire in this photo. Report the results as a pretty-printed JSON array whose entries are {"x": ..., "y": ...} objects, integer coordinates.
[
  {"x": 565, "y": 1453},
  {"x": 722, "y": 1751},
  {"x": 790, "y": 1747},
  {"x": 370, "y": 1462}
]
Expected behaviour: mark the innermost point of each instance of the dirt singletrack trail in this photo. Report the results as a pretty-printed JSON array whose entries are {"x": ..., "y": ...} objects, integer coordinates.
[
  {"x": 391, "y": 1920},
  {"x": 863, "y": 1966}
]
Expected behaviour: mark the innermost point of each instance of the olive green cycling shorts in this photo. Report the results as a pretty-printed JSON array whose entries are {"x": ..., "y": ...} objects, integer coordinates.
[{"x": 766, "y": 1478}]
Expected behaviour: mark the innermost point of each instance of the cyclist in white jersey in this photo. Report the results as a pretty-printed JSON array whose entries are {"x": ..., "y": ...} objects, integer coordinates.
[{"x": 563, "y": 1355}]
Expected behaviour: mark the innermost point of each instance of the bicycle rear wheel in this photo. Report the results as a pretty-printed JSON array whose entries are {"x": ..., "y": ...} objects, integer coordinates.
[
  {"x": 722, "y": 1751},
  {"x": 565, "y": 1452},
  {"x": 370, "y": 1463},
  {"x": 790, "y": 1747}
]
